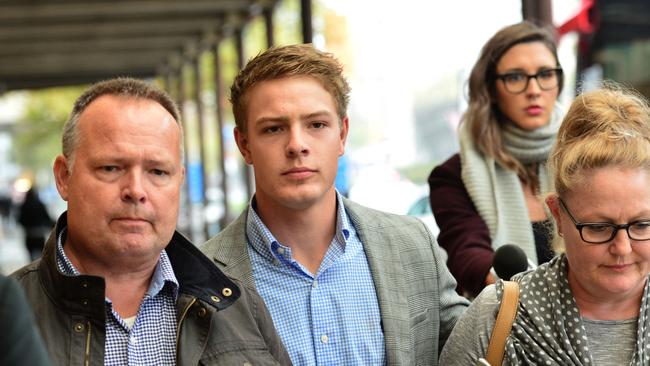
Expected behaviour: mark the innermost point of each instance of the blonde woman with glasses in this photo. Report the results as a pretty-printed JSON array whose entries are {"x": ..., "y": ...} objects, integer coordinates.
[{"x": 588, "y": 305}]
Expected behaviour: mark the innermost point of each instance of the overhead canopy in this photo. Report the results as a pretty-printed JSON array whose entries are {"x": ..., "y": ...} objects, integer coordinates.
[{"x": 46, "y": 43}]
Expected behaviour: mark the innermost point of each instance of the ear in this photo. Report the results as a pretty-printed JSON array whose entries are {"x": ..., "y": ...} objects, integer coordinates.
[
  {"x": 553, "y": 203},
  {"x": 345, "y": 125},
  {"x": 61, "y": 176},
  {"x": 242, "y": 143}
]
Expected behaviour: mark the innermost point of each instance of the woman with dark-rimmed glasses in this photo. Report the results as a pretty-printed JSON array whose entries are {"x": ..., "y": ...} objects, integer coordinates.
[
  {"x": 588, "y": 305},
  {"x": 488, "y": 195}
]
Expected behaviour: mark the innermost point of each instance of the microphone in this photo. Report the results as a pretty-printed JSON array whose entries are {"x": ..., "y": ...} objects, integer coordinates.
[{"x": 509, "y": 260}]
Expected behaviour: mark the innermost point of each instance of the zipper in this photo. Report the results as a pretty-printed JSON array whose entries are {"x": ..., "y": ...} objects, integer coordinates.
[
  {"x": 87, "y": 352},
  {"x": 180, "y": 321}
]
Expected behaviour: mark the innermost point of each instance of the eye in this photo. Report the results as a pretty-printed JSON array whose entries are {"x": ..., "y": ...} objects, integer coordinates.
[
  {"x": 272, "y": 129},
  {"x": 641, "y": 226},
  {"x": 546, "y": 74},
  {"x": 598, "y": 228},
  {"x": 159, "y": 172},
  {"x": 109, "y": 168},
  {"x": 318, "y": 125},
  {"x": 514, "y": 77}
]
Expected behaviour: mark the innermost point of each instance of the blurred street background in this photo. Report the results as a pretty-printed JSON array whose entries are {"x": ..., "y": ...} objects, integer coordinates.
[{"x": 407, "y": 63}]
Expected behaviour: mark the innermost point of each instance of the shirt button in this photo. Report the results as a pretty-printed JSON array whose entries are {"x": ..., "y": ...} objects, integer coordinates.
[
  {"x": 324, "y": 338},
  {"x": 314, "y": 284},
  {"x": 133, "y": 340},
  {"x": 281, "y": 251}
]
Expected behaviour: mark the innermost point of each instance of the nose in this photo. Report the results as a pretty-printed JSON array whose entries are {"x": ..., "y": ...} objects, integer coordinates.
[
  {"x": 621, "y": 244},
  {"x": 297, "y": 144},
  {"x": 533, "y": 89},
  {"x": 133, "y": 189}
]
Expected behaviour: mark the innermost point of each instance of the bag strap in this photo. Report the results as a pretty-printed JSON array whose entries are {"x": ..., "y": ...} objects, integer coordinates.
[{"x": 503, "y": 325}]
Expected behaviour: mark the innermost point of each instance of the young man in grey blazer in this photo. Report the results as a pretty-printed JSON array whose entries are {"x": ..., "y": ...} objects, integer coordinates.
[{"x": 344, "y": 284}]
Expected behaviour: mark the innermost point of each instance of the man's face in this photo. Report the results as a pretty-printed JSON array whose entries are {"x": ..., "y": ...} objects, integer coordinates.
[
  {"x": 293, "y": 140},
  {"x": 123, "y": 189}
]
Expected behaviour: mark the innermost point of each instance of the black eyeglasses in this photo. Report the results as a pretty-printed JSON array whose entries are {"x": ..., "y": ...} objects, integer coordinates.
[
  {"x": 517, "y": 82},
  {"x": 603, "y": 232}
]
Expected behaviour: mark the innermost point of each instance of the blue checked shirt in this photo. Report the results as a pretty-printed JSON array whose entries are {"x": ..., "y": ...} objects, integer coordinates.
[
  {"x": 152, "y": 339},
  {"x": 330, "y": 318}
]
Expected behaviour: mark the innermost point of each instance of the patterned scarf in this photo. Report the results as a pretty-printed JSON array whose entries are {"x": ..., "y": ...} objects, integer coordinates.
[
  {"x": 496, "y": 192},
  {"x": 548, "y": 328}
]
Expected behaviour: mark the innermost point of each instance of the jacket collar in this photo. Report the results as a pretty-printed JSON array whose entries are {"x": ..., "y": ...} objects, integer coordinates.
[{"x": 85, "y": 294}]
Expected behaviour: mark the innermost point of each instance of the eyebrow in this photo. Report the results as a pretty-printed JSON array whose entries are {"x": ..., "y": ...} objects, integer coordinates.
[
  {"x": 521, "y": 70},
  {"x": 286, "y": 118}
]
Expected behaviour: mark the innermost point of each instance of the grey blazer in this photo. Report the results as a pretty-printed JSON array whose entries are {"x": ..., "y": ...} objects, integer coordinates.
[{"x": 416, "y": 292}]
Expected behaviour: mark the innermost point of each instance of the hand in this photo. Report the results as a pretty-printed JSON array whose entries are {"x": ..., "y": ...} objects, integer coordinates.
[{"x": 490, "y": 279}]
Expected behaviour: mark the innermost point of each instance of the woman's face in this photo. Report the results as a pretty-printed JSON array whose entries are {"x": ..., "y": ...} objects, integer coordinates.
[
  {"x": 619, "y": 267},
  {"x": 532, "y": 107}
]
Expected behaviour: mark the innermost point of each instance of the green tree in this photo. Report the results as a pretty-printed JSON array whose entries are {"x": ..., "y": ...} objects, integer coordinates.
[{"x": 37, "y": 136}]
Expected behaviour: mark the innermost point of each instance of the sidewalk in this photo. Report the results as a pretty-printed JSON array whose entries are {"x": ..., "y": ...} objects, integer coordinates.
[{"x": 13, "y": 253}]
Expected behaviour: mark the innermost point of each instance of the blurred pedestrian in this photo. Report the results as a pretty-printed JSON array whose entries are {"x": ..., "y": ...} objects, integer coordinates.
[
  {"x": 36, "y": 222},
  {"x": 488, "y": 195}
]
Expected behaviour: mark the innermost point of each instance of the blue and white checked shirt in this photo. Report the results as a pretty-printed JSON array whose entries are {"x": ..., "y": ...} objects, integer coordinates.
[
  {"x": 152, "y": 339},
  {"x": 331, "y": 318}
]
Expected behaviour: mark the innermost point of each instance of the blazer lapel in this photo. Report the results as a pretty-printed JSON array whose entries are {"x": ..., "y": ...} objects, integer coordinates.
[
  {"x": 231, "y": 251},
  {"x": 388, "y": 277}
]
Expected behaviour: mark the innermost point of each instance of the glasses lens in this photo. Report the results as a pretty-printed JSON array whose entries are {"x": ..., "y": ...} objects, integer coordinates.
[
  {"x": 640, "y": 230},
  {"x": 597, "y": 233},
  {"x": 515, "y": 82},
  {"x": 547, "y": 79}
]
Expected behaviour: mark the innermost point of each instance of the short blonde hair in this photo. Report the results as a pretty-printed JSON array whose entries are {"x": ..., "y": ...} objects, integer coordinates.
[
  {"x": 606, "y": 127},
  {"x": 288, "y": 61}
]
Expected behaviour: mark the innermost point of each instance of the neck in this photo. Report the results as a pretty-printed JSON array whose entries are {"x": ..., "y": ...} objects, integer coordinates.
[
  {"x": 126, "y": 283},
  {"x": 606, "y": 306},
  {"x": 307, "y": 231}
]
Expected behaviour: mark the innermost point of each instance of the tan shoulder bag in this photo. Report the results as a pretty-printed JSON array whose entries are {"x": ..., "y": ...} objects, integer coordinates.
[{"x": 503, "y": 325}]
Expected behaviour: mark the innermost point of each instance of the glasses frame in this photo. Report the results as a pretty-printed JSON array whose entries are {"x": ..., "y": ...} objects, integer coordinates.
[
  {"x": 558, "y": 73},
  {"x": 580, "y": 225}
]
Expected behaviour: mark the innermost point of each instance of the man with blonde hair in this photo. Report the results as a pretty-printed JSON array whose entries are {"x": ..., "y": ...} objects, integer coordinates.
[{"x": 344, "y": 284}]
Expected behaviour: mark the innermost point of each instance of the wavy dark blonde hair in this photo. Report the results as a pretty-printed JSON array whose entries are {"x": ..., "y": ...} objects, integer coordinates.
[
  {"x": 483, "y": 116},
  {"x": 289, "y": 61}
]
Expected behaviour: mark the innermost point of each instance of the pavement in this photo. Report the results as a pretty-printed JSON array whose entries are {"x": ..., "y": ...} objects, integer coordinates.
[{"x": 13, "y": 253}]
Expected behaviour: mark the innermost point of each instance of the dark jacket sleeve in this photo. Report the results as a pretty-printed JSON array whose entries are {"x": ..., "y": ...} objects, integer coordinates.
[
  {"x": 20, "y": 343},
  {"x": 463, "y": 233}
]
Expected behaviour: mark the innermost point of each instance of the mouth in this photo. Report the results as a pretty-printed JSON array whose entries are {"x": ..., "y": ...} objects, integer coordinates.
[
  {"x": 131, "y": 220},
  {"x": 299, "y": 173},
  {"x": 618, "y": 267},
  {"x": 534, "y": 110}
]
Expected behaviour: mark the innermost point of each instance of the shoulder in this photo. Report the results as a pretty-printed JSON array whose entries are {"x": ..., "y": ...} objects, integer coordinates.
[
  {"x": 235, "y": 232},
  {"x": 369, "y": 217},
  {"x": 27, "y": 273},
  {"x": 451, "y": 167},
  {"x": 471, "y": 336}
]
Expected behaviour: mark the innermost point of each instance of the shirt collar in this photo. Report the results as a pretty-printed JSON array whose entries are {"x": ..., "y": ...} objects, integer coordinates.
[
  {"x": 163, "y": 274},
  {"x": 262, "y": 240}
]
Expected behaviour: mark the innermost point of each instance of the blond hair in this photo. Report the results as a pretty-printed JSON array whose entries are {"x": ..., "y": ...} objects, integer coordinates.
[
  {"x": 606, "y": 127},
  {"x": 289, "y": 61}
]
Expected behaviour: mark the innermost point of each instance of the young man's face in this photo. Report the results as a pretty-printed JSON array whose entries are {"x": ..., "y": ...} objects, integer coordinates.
[{"x": 293, "y": 140}]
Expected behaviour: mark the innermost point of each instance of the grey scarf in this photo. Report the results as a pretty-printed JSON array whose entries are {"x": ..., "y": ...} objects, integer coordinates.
[
  {"x": 548, "y": 328},
  {"x": 496, "y": 192}
]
